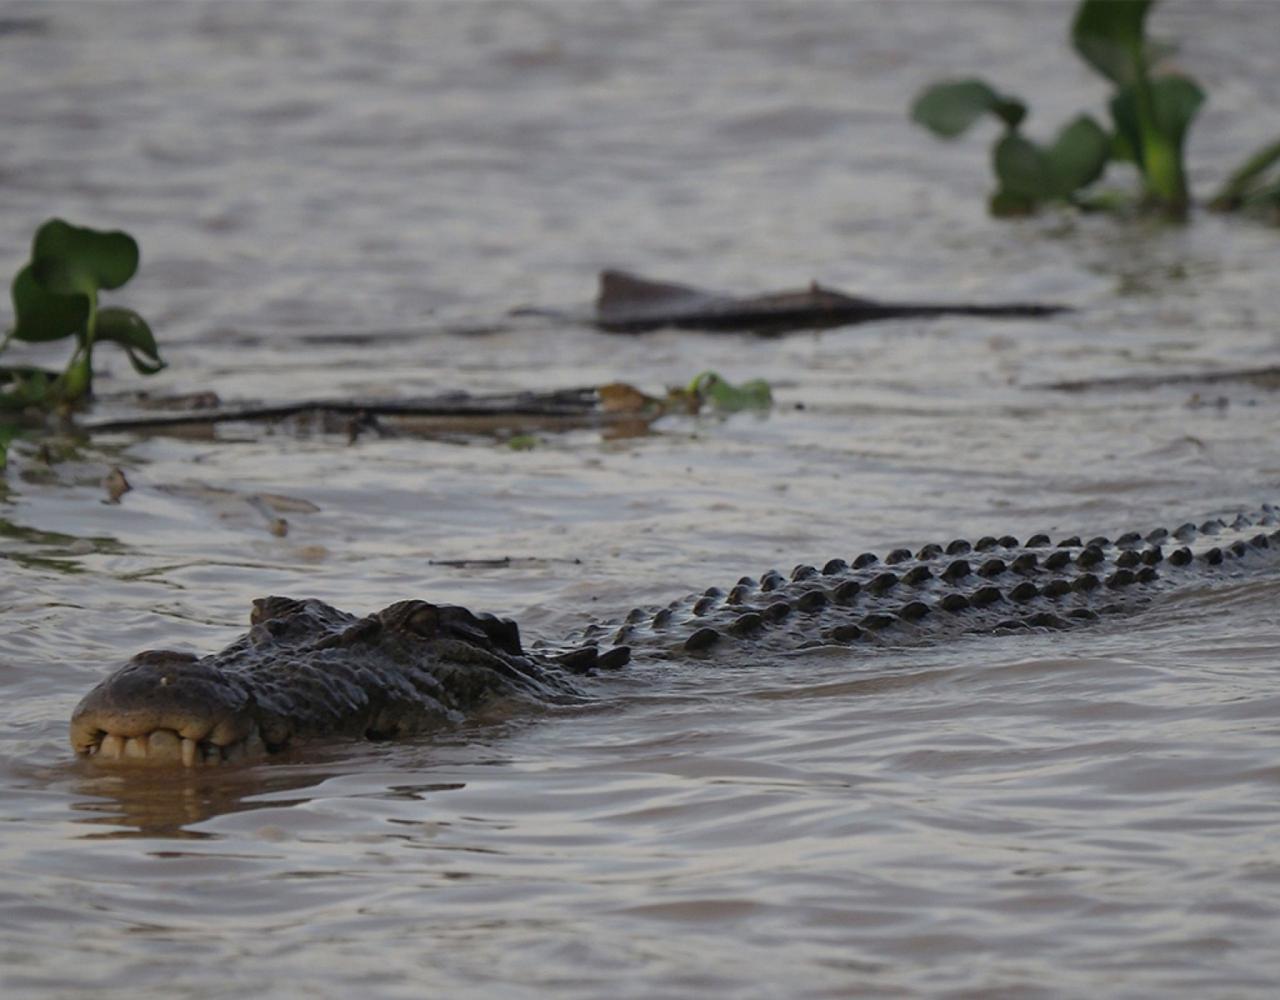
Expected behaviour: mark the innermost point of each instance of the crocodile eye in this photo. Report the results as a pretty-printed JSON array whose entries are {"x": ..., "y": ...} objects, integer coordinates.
[
  {"x": 502, "y": 632},
  {"x": 266, "y": 608},
  {"x": 425, "y": 621}
]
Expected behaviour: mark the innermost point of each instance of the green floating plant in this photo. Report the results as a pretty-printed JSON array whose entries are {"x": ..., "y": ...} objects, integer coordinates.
[
  {"x": 712, "y": 389},
  {"x": 949, "y": 109},
  {"x": 1027, "y": 173},
  {"x": 522, "y": 442},
  {"x": 55, "y": 295},
  {"x": 1150, "y": 111}
]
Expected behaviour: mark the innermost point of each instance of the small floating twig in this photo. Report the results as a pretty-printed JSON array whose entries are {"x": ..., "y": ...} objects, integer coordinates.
[
  {"x": 276, "y": 524},
  {"x": 500, "y": 562}
]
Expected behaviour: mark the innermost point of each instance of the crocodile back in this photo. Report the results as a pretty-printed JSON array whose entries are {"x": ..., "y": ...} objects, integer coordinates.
[{"x": 944, "y": 590}]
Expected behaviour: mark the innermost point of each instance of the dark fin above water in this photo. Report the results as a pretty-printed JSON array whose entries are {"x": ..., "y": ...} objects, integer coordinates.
[{"x": 628, "y": 303}]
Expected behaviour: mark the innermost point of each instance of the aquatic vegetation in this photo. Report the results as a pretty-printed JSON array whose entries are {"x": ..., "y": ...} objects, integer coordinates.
[
  {"x": 1255, "y": 185},
  {"x": 522, "y": 442},
  {"x": 1151, "y": 111},
  {"x": 707, "y": 390},
  {"x": 55, "y": 295},
  {"x": 711, "y": 389},
  {"x": 1027, "y": 173},
  {"x": 7, "y": 433}
]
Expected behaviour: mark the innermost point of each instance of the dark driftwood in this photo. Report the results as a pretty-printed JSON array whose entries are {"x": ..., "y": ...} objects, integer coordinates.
[
  {"x": 1264, "y": 378},
  {"x": 501, "y": 562},
  {"x": 577, "y": 404},
  {"x": 631, "y": 304}
]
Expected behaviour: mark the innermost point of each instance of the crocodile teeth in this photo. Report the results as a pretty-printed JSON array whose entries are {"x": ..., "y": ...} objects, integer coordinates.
[{"x": 163, "y": 744}]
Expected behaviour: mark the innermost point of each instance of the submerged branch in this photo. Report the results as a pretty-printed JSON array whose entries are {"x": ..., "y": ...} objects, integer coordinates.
[
  {"x": 579, "y": 404},
  {"x": 1267, "y": 377}
]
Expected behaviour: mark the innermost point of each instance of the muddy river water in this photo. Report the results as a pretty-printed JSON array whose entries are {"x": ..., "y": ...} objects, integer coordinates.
[{"x": 327, "y": 196}]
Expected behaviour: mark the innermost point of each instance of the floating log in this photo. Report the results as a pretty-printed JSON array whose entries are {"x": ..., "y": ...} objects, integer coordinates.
[{"x": 628, "y": 303}]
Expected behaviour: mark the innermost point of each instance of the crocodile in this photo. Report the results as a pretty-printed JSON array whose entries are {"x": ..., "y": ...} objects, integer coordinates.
[{"x": 306, "y": 670}]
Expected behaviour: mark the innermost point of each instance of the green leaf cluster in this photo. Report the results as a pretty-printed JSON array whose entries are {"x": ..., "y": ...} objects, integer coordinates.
[
  {"x": 712, "y": 389},
  {"x": 1150, "y": 111},
  {"x": 55, "y": 295},
  {"x": 1027, "y": 173}
]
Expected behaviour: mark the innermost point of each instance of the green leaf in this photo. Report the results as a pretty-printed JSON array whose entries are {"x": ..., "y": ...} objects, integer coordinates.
[
  {"x": 25, "y": 390},
  {"x": 7, "y": 433},
  {"x": 1128, "y": 136},
  {"x": 43, "y": 315},
  {"x": 16, "y": 373},
  {"x": 723, "y": 395},
  {"x": 1108, "y": 35},
  {"x": 69, "y": 259},
  {"x": 1078, "y": 156},
  {"x": 1122, "y": 150},
  {"x": 1268, "y": 196},
  {"x": 1249, "y": 179},
  {"x": 1157, "y": 137},
  {"x": 1022, "y": 169},
  {"x": 522, "y": 442},
  {"x": 126, "y": 328},
  {"x": 1177, "y": 101},
  {"x": 76, "y": 381},
  {"x": 948, "y": 109}
]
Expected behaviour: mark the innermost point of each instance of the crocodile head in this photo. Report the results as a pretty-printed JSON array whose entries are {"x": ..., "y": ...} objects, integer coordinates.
[{"x": 307, "y": 669}]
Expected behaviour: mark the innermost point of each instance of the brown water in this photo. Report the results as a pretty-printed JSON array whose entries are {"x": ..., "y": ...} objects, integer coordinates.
[{"x": 323, "y": 191}]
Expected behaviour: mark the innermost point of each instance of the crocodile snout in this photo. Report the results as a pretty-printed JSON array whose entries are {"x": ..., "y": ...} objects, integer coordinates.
[{"x": 165, "y": 707}]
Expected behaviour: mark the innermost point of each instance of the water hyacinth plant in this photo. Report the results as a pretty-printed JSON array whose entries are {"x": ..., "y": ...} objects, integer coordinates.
[
  {"x": 55, "y": 295},
  {"x": 713, "y": 390},
  {"x": 1150, "y": 113}
]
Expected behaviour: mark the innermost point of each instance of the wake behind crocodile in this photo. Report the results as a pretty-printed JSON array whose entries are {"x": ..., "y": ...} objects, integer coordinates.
[{"x": 309, "y": 671}]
